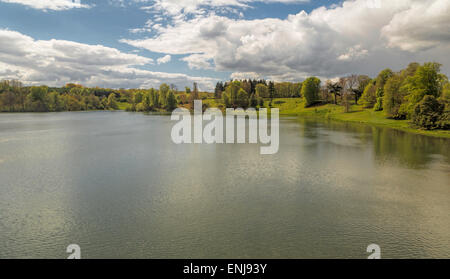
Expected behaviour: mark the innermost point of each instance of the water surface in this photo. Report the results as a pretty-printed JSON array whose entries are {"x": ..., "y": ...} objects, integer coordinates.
[{"x": 114, "y": 183}]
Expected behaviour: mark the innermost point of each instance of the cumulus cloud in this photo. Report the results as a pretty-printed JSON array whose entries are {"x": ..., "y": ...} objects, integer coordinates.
[
  {"x": 56, "y": 5},
  {"x": 56, "y": 62},
  {"x": 424, "y": 25},
  {"x": 164, "y": 59},
  {"x": 355, "y": 36}
]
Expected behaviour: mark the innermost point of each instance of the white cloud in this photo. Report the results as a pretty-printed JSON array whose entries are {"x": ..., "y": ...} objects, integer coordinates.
[
  {"x": 56, "y": 5},
  {"x": 57, "y": 62},
  {"x": 424, "y": 25},
  {"x": 164, "y": 59},
  {"x": 356, "y": 36},
  {"x": 198, "y": 61},
  {"x": 177, "y": 7}
]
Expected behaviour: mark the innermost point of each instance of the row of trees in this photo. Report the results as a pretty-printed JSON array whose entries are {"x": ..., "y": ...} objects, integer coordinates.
[
  {"x": 261, "y": 88},
  {"x": 14, "y": 97},
  {"x": 419, "y": 93},
  {"x": 153, "y": 100}
]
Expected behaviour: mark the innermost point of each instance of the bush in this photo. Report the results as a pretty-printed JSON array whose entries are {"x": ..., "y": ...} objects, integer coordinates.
[{"x": 428, "y": 113}]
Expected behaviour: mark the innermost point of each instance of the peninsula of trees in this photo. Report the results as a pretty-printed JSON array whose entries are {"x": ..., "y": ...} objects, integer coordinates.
[{"x": 419, "y": 94}]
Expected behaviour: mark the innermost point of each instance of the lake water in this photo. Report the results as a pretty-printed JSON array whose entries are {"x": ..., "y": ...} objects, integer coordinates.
[{"x": 115, "y": 184}]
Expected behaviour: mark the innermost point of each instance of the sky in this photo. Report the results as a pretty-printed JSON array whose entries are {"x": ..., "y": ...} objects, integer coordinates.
[{"x": 143, "y": 43}]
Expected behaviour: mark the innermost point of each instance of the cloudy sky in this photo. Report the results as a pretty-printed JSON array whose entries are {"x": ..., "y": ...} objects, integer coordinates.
[{"x": 142, "y": 43}]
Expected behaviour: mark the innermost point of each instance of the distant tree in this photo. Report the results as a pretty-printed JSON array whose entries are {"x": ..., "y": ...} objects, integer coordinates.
[
  {"x": 163, "y": 92},
  {"x": 262, "y": 90},
  {"x": 8, "y": 99},
  {"x": 271, "y": 90},
  {"x": 310, "y": 91},
  {"x": 242, "y": 100},
  {"x": 335, "y": 89},
  {"x": 171, "y": 101},
  {"x": 253, "y": 101},
  {"x": 55, "y": 103},
  {"x": 194, "y": 95},
  {"x": 218, "y": 90},
  {"x": 112, "y": 102},
  {"x": 357, "y": 86},
  {"x": 369, "y": 97}
]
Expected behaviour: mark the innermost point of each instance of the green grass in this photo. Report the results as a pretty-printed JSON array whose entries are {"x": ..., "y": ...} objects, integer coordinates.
[
  {"x": 123, "y": 106},
  {"x": 296, "y": 107}
]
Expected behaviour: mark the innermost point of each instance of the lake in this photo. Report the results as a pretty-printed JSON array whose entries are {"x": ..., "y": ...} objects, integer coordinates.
[{"x": 115, "y": 184}]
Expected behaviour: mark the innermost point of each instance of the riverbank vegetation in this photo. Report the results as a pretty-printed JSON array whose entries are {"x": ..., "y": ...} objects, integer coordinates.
[{"x": 416, "y": 99}]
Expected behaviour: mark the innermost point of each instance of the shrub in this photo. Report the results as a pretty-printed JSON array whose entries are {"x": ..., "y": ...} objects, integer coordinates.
[{"x": 428, "y": 113}]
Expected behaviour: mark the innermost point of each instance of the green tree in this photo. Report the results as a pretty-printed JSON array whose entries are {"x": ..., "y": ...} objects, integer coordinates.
[
  {"x": 369, "y": 98},
  {"x": 262, "y": 90},
  {"x": 55, "y": 102},
  {"x": 242, "y": 99},
  {"x": 112, "y": 102},
  {"x": 271, "y": 91},
  {"x": 163, "y": 92},
  {"x": 8, "y": 99},
  {"x": 171, "y": 101},
  {"x": 310, "y": 91},
  {"x": 428, "y": 113},
  {"x": 393, "y": 97}
]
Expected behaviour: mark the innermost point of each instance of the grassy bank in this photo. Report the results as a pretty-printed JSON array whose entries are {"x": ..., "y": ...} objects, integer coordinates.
[
  {"x": 295, "y": 107},
  {"x": 357, "y": 114}
]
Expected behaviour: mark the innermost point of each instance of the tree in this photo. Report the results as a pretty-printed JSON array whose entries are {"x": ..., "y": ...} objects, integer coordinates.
[
  {"x": 335, "y": 89},
  {"x": 426, "y": 80},
  {"x": 194, "y": 96},
  {"x": 163, "y": 92},
  {"x": 310, "y": 91},
  {"x": 262, "y": 90},
  {"x": 8, "y": 99},
  {"x": 55, "y": 102},
  {"x": 112, "y": 102},
  {"x": 428, "y": 112},
  {"x": 381, "y": 80},
  {"x": 226, "y": 100},
  {"x": 218, "y": 90},
  {"x": 171, "y": 101},
  {"x": 369, "y": 98},
  {"x": 242, "y": 99},
  {"x": 253, "y": 101},
  {"x": 396, "y": 90},
  {"x": 361, "y": 83},
  {"x": 393, "y": 99},
  {"x": 271, "y": 91},
  {"x": 38, "y": 96}
]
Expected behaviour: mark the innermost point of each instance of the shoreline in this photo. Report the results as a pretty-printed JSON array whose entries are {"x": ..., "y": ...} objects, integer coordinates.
[{"x": 293, "y": 107}]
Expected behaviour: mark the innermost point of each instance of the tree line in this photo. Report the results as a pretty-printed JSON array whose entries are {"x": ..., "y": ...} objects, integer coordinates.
[{"x": 420, "y": 93}]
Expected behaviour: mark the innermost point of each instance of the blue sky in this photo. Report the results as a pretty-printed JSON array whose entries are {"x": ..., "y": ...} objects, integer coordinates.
[{"x": 257, "y": 39}]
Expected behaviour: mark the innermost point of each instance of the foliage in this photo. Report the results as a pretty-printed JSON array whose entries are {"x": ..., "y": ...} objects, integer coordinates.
[
  {"x": 310, "y": 91},
  {"x": 428, "y": 113}
]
